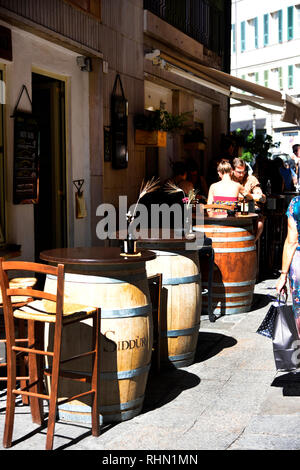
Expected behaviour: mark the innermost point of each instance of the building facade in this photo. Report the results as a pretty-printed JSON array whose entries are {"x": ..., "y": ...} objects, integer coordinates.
[
  {"x": 59, "y": 60},
  {"x": 265, "y": 50}
]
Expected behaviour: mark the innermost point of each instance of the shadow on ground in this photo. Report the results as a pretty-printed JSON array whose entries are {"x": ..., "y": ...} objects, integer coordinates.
[
  {"x": 260, "y": 301},
  {"x": 211, "y": 344},
  {"x": 169, "y": 383},
  {"x": 289, "y": 382}
]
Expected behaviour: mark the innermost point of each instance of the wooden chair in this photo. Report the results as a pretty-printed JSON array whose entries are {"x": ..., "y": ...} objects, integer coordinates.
[
  {"x": 19, "y": 301},
  {"x": 47, "y": 308},
  {"x": 155, "y": 286}
]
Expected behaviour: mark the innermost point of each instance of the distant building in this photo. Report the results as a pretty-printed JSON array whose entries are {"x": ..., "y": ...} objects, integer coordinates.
[{"x": 265, "y": 49}]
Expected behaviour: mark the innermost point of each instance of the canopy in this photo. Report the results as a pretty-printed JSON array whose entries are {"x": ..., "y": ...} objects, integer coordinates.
[{"x": 267, "y": 99}]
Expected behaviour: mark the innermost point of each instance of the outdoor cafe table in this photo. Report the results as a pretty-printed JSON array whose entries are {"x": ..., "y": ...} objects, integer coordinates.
[
  {"x": 235, "y": 262},
  {"x": 102, "y": 277},
  {"x": 177, "y": 259}
]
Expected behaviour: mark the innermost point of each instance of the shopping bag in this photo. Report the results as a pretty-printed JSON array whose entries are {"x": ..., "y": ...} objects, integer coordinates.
[
  {"x": 279, "y": 324},
  {"x": 286, "y": 342},
  {"x": 266, "y": 328}
]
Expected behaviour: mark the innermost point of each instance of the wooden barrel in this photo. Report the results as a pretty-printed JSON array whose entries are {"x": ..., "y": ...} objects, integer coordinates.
[
  {"x": 180, "y": 300},
  {"x": 234, "y": 273},
  {"x": 126, "y": 340}
]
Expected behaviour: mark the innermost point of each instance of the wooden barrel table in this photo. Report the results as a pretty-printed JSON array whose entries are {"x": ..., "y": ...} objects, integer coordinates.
[
  {"x": 101, "y": 277},
  {"x": 180, "y": 298},
  {"x": 235, "y": 263}
]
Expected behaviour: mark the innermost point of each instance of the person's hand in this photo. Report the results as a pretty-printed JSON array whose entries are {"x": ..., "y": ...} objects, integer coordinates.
[{"x": 281, "y": 283}]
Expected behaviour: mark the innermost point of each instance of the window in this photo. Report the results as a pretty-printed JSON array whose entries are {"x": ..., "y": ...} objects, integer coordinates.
[
  {"x": 243, "y": 36},
  {"x": 290, "y": 23},
  {"x": 290, "y": 76},
  {"x": 233, "y": 42},
  {"x": 256, "y": 77},
  {"x": 252, "y": 33},
  {"x": 266, "y": 78},
  {"x": 266, "y": 29}
]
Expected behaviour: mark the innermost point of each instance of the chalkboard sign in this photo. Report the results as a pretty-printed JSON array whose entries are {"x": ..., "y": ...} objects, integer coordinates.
[
  {"x": 26, "y": 159},
  {"x": 119, "y": 118}
]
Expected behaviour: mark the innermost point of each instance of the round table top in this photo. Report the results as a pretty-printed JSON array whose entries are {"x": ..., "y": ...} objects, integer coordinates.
[{"x": 94, "y": 256}]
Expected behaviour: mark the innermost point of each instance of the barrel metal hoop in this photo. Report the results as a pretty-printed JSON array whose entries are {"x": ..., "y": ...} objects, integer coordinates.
[
  {"x": 181, "y": 356},
  {"x": 231, "y": 284},
  {"x": 232, "y": 294},
  {"x": 142, "y": 311},
  {"x": 220, "y": 230},
  {"x": 103, "y": 408},
  {"x": 126, "y": 374},
  {"x": 185, "y": 332},
  {"x": 231, "y": 239},
  {"x": 181, "y": 280},
  {"x": 91, "y": 279},
  {"x": 235, "y": 250},
  {"x": 220, "y": 304}
]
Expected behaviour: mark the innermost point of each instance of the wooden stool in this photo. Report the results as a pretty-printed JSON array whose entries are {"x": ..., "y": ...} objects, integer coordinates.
[
  {"x": 20, "y": 301},
  {"x": 48, "y": 308}
]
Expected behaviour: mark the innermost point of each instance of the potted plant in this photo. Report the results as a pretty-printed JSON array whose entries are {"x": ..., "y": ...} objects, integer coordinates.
[
  {"x": 194, "y": 139},
  {"x": 151, "y": 128}
]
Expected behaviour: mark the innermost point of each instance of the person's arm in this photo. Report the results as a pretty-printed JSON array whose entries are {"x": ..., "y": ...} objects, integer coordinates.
[
  {"x": 290, "y": 245},
  {"x": 210, "y": 198}
]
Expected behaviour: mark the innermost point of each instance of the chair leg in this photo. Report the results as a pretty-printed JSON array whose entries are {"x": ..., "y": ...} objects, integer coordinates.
[
  {"x": 96, "y": 375},
  {"x": 11, "y": 398},
  {"x": 34, "y": 374},
  {"x": 54, "y": 387},
  {"x": 22, "y": 365}
]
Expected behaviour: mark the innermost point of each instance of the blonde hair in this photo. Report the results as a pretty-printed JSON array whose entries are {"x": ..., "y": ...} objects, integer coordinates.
[{"x": 224, "y": 167}]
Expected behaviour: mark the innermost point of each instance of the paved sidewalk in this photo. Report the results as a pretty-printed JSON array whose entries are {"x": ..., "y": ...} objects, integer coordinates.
[{"x": 231, "y": 398}]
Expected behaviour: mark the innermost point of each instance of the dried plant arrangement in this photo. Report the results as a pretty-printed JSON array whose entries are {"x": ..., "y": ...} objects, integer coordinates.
[{"x": 146, "y": 188}]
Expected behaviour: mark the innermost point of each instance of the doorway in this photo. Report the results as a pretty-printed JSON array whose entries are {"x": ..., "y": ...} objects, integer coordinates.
[{"x": 50, "y": 213}]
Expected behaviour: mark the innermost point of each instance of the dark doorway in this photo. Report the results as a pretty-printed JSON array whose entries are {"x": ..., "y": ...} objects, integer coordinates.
[{"x": 50, "y": 214}]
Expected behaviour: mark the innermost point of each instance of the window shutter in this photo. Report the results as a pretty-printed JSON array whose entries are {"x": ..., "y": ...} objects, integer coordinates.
[
  {"x": 290, "y": 31},
  {"x": 280, "y": 26},
  {"x": 290, "y": 76},
  {"x": 266, "y": 29},
  {"x": 266, "y": 78},
  {"x": 280, "y": 82},
  {"x": 243, "y": 36},
  {"x": 256, "y": 33}
]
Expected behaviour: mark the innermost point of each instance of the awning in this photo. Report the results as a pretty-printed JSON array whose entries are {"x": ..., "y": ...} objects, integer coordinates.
[{"x": 258, "y": 96}]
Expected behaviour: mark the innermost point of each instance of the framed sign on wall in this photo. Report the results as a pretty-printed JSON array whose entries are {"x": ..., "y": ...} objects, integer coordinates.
[
  {"x": 26, "y": 159},
  {"x": 119, "y": 127}
]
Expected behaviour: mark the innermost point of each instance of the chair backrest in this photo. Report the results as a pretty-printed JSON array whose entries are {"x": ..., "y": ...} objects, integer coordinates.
[{"x": 9, "y": 291}]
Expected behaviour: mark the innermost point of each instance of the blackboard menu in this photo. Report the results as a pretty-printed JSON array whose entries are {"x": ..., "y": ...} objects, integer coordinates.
[
  {"x": 26, "y": 159},
  {"x": 119, "y": 126}
]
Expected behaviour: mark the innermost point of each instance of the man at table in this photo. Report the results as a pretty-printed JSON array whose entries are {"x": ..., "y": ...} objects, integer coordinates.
[
  {"x": 252, "y": 191},
  {"x": 294, "y": 161}
]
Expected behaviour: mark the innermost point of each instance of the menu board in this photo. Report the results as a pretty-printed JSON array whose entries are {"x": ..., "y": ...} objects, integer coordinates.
[
  {"x": 26, "y": 159},
  {"x": 119, "y": 132}
]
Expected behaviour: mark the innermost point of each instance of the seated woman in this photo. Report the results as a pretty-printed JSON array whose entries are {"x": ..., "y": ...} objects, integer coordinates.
[{"x": 224, "y": 191}]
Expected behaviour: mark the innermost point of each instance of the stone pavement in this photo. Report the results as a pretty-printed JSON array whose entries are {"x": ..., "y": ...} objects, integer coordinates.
[{"x": 231, "y": 398}]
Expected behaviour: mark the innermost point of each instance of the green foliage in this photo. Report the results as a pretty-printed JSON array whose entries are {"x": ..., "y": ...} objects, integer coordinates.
[
  {"x": 259, "y": 144},
  {"x": 160, "y": 120}
]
